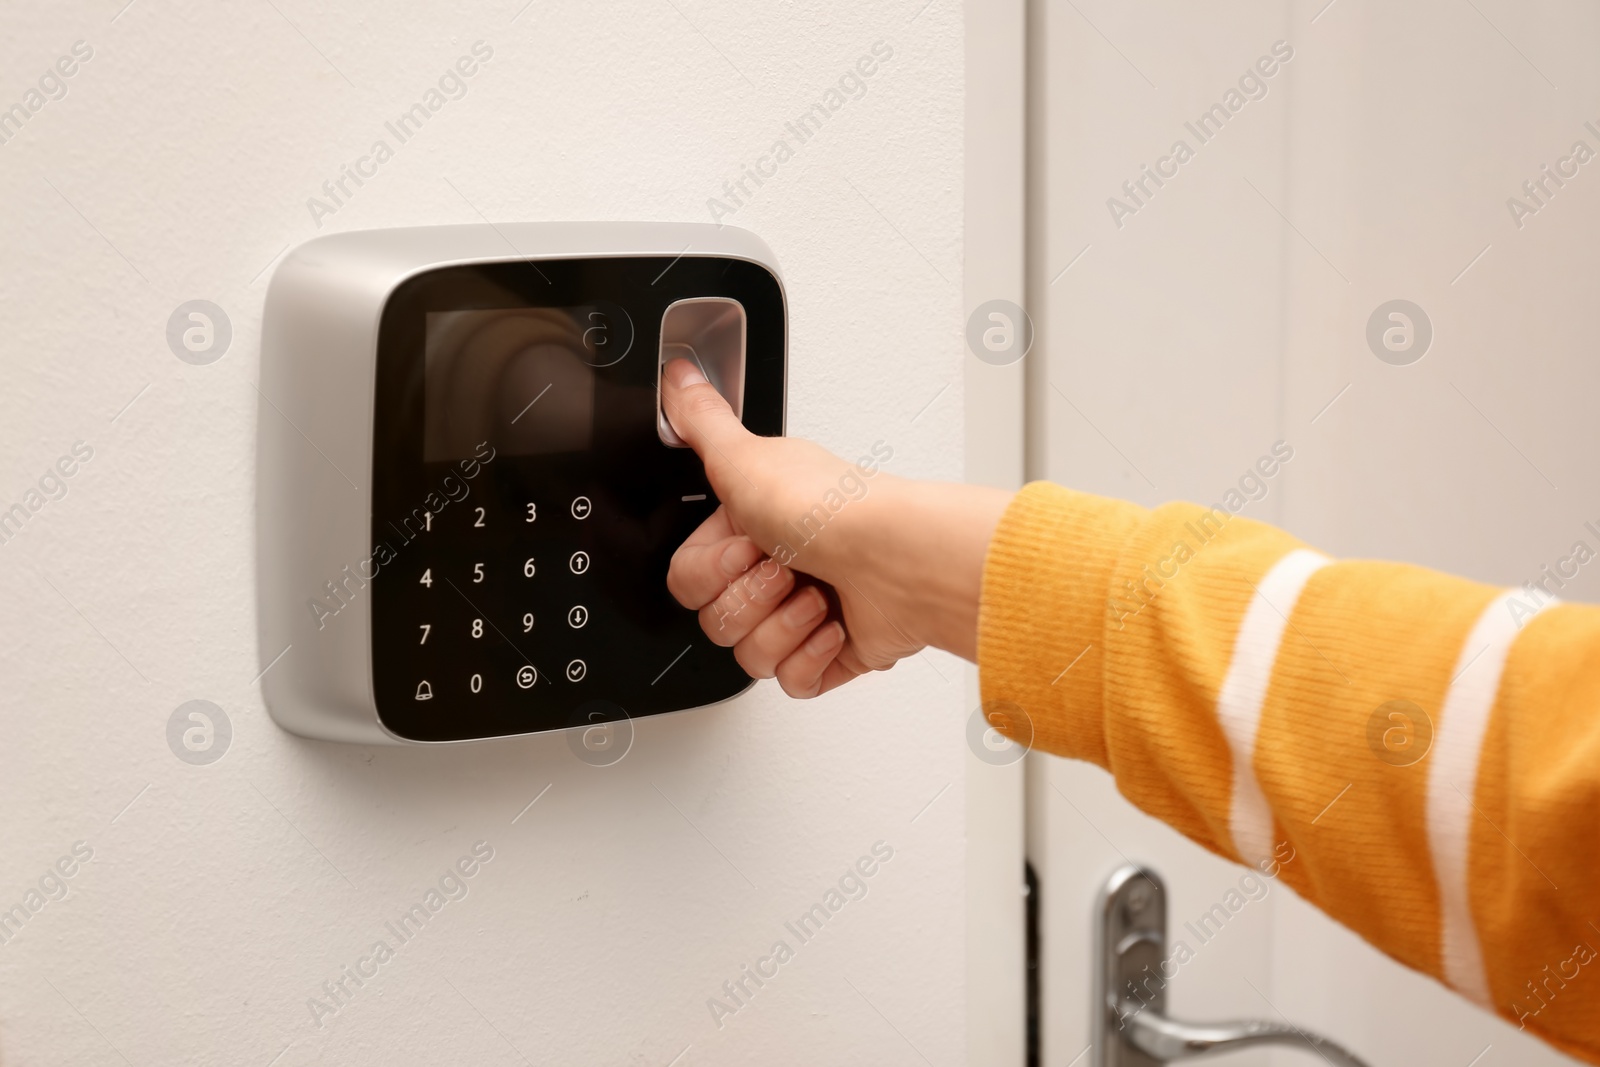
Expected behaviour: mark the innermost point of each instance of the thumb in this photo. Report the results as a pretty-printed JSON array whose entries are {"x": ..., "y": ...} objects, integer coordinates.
[{"x": 703, "y": 419}]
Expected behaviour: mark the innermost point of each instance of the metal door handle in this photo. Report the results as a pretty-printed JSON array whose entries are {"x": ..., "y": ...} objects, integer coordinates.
[
  {"x": 1164, "y": 1040},
  {"x": 1131, "y": 1026}
]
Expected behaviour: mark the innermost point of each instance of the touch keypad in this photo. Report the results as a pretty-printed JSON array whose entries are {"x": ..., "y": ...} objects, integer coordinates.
[{"x": 492, "y": 605}]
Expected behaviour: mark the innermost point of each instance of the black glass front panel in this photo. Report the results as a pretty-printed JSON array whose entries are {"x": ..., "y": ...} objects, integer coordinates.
[{"x": 524, "y": 509}]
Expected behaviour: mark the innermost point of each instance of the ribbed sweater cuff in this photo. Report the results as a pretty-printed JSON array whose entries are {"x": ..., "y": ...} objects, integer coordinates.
[{"x": 1046, "y": 581}]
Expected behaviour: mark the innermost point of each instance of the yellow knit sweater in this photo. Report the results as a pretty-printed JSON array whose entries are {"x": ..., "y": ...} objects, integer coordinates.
[{"x": 1237, "y": 684}]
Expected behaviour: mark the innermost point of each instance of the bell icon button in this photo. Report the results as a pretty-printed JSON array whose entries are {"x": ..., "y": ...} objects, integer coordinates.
[{"x": 424, "y": 691}]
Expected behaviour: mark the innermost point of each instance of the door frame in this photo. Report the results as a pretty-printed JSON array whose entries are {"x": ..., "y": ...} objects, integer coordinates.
[{"x": 994, "y": 230}]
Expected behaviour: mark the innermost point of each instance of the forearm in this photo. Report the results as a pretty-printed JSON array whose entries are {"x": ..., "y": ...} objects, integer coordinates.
[{"x": 1245, "y": 690}]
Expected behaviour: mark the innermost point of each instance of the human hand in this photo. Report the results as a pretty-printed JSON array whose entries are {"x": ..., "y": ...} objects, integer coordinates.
[{"x": 816, "y": 570}]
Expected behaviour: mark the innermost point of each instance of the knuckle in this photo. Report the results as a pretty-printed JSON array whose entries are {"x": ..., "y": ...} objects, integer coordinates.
[
  {"x": 751, "y": 659},
  {"x": 799, "y": 687},
  {"x": 717, "y": 620},
  {"x": 712, "y": 624},
  {"x": 677, "y": 580}
]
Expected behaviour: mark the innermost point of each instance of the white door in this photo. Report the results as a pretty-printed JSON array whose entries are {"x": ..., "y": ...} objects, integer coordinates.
[{"x": 1184, "y": 332}]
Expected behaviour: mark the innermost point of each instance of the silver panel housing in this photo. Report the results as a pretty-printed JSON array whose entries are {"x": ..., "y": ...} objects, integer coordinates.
[{"x": 319, "y": 340}]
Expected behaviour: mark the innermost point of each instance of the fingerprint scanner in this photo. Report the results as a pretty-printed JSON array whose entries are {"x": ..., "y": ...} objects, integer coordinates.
[{"x": 710, "y": 333}]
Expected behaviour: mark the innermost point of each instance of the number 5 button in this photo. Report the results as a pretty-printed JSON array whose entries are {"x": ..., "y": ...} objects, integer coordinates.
[{"x": 579, "y": 562}]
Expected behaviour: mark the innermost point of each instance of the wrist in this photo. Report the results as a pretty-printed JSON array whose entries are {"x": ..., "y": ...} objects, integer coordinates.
[{"x": 927, "y": 542}]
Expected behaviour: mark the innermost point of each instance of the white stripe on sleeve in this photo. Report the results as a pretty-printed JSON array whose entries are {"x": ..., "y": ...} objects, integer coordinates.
[
  {"x": 1244, "y": 690},
  {"x": 1453, "y": 783}
]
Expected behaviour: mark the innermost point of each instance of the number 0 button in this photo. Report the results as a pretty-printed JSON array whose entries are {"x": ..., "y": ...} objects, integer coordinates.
[{"x": 579, "y": 562}]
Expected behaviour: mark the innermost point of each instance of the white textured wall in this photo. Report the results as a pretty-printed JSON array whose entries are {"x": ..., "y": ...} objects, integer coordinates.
[{"x": 176, "y": 167}]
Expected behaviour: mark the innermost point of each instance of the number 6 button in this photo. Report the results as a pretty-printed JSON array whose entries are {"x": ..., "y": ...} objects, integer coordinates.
[{"x": 579, "y": 562}]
